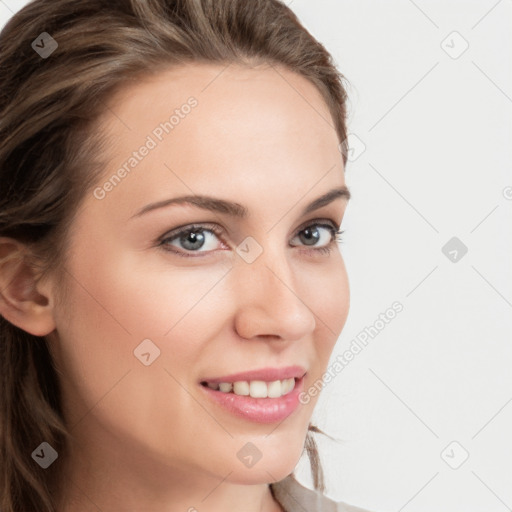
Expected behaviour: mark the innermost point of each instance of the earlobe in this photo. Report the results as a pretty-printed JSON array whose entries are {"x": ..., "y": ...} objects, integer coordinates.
[{"x": 24, "y": 301}]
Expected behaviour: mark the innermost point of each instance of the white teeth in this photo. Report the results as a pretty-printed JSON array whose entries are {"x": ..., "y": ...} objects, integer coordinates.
[
  {"x": 241, "y": 388},
  {"x": 274, "y": 389},
  {"x": 288, "y": 385},
  {"x": 256, "y": 388},
  {"x": 225, "y": 387}
]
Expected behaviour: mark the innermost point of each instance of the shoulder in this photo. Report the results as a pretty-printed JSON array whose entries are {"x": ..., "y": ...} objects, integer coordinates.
[{"x": 294, "y": 497}]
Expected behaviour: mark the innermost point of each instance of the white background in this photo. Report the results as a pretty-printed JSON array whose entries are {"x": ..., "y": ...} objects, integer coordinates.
[
  {"x": 437, "y": 133},
  {"x": 438, "y": 136}
]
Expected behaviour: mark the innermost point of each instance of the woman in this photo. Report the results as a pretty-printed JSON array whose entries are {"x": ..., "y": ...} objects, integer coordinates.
[{"x": 171, "y": 288}]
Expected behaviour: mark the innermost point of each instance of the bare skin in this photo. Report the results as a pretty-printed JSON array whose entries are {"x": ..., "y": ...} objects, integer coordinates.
[{"x": 146, "y": 437}]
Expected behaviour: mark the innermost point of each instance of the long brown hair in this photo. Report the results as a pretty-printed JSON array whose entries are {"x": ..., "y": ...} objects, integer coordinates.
[{"x": 50, "y": 159}]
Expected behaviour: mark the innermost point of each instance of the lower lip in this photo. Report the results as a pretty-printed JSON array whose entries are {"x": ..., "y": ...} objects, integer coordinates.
[{"x": 259, "y": 410}]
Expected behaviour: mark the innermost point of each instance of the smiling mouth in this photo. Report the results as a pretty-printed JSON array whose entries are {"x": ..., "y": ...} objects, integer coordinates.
[{"x": 254, "y": 388}]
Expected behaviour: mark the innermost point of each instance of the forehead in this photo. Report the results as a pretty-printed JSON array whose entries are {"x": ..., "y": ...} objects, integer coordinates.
[
  {"x": 217, "y": 129},
  {"x": 222, "y": 86}
]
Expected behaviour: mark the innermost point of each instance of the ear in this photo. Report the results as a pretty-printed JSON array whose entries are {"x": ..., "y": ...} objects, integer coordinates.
[{"x": 24, "y": 301}]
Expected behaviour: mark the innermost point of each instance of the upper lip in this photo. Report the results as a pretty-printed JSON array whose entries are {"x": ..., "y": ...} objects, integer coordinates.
[{"x": 264, "y": 374}]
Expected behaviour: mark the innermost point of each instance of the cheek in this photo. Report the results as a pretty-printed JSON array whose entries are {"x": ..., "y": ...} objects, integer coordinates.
[
  {"x": 336, "y": 301},
  {"x": 329, "y": 301},
  {"x": 329, "y": 297},
  {"x": 114, "y": 303},
  {"x": 139, "y": 294}
]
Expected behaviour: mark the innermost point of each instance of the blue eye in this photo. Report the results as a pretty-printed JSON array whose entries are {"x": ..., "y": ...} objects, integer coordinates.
[
  {"x": 193, "y": 239},
  {"x": 200, "y": 236}
]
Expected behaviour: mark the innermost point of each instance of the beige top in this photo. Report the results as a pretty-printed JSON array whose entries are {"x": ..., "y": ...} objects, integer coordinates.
[{"x": 294, "y": 497}]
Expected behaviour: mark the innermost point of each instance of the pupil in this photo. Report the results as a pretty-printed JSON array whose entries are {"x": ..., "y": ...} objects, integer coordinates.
[
  {"x": 310, "y": 237},
  {"x": 194, "y": 239}
]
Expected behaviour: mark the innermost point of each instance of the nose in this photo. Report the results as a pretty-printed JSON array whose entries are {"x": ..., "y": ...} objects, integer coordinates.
[{"x": 271, "y": 300}]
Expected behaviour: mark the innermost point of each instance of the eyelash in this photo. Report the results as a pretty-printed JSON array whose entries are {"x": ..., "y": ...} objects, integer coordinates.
[{"x": 171, "y": 236}]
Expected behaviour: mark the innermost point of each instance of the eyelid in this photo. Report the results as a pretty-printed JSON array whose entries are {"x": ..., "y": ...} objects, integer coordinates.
[
  {"x": 311, "y": 222},
  {"x": 192, "y": 227}
]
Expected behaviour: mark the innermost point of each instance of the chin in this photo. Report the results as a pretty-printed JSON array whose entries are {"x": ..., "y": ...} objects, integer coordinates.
[
  {"x": 261, "y": 475},
  {"x": 272, "y": 462}
]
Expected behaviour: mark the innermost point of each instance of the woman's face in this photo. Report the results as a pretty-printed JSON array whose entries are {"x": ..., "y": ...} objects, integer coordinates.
[{"x": 150, "y": 316}]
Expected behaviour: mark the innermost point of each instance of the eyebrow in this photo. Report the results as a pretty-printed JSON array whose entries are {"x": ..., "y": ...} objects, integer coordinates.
[{"x": 237, "y": 210}]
